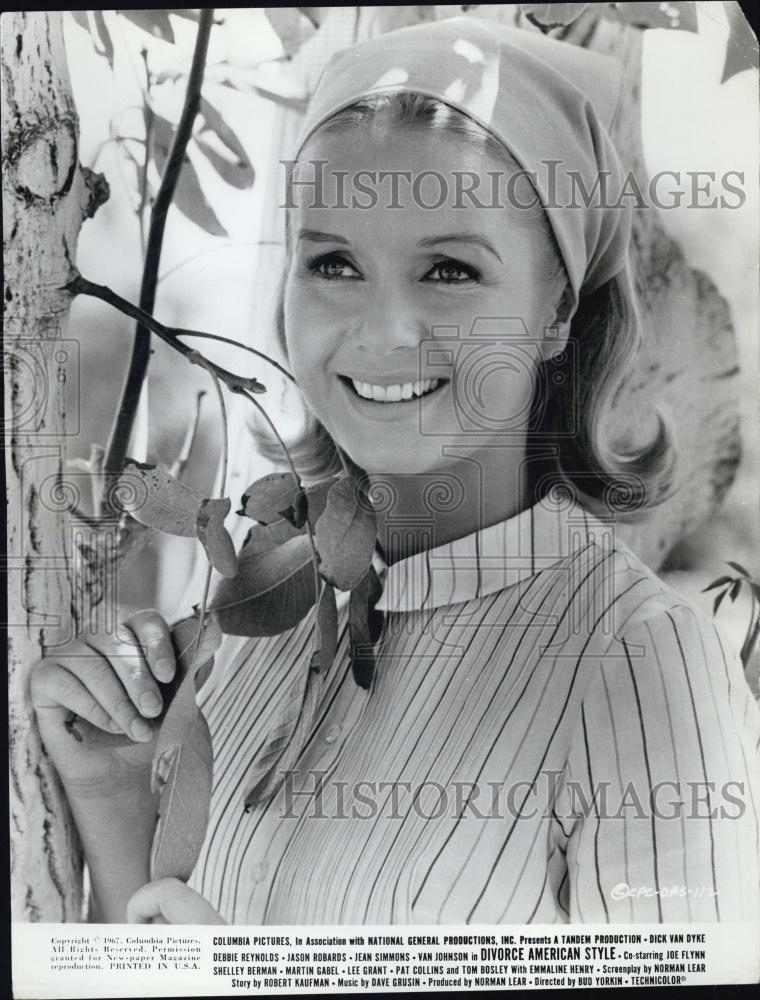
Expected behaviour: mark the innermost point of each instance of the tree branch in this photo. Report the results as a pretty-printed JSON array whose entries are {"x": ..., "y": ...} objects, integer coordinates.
[
  {"x": 138, "y": 365},
  {"x": 170, "y": 335}
]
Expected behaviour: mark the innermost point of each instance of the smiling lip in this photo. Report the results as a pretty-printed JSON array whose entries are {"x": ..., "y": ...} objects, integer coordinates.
[{"x": 377, "y": 394}]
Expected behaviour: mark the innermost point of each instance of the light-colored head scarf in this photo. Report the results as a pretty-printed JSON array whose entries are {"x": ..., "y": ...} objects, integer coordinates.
[{"x": 543, "y": 99}]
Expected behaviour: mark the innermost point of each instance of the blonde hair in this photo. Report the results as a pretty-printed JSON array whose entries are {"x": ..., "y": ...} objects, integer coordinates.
[{"x": 568, "y": 438}]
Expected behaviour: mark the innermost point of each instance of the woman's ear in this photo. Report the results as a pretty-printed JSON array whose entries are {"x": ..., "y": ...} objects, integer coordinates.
[{"x": 557, "y": 330}]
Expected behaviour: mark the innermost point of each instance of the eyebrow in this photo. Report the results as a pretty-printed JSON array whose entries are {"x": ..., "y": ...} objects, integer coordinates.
[
  {"x": 316, "y": 236},
  {"x": 319, "y": 237},
  {"x": 472, "y": 238}
]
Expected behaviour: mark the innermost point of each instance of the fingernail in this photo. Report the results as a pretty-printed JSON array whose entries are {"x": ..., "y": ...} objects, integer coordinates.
[
  {"x": 164, "y": 668},
  {"x": 150, "y": 703},
  {"x": 141, "y": 731}
]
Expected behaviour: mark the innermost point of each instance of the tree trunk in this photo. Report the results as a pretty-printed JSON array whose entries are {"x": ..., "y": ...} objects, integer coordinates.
[{"x": 46, "y": 197}]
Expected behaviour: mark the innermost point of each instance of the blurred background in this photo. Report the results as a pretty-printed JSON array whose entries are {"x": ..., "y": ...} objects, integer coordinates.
[{"x": 213, "y": 257}]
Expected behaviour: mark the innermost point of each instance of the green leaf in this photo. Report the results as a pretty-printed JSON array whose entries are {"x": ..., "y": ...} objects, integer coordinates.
[
  {"x": 364, "y": 627},
  {"x": 273, "y": 589},
  {"x": 238, "y": 173},
  {"x": 291, "y": 26},
  {"x": 190, "y": 14},
  {"x": 153, "y": 497},
  {"x": 267, "y": 499},
  {"x": 155, "y": 22},
  {"x": 718, "y": 601},
  {"x": 85, "y": 732},
  {"x": 103, "y": 36},
  {"x": 238, "y": 170},
  {"x": 263, "y": 538},
  {"x": 293, "y": 728},
  {"x": 80, "y": 18},
  {"x": 742, "y": 45},
  {"x": 552, "y": 15},
  {"x": 284, "y": 100},
  {"x": 215, "y": 538},
  {"x": 674, "y": 15},
  {"x": 183, "y": 760},
  {"x": 188, "y": 196},
  {"x": 345, "y": 534},
  {"x": 734, "y": 591},
  {"x": 325, "y": 638},
  {"x": 738, "y": 567},
  {"x": 720, "y": 582}
]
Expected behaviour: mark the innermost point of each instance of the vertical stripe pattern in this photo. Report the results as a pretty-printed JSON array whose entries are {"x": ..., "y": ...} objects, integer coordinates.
[{"x": 547, "y": 723}]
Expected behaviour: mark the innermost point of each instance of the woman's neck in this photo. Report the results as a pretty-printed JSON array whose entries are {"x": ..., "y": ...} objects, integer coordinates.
[{"x": 419, "y": 511}]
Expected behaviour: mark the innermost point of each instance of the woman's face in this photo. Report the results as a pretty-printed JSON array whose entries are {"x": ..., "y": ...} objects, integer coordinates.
[{"x": 414, "y": 330}]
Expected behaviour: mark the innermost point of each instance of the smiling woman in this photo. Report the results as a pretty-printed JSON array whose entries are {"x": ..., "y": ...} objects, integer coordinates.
[{"x": 546, "y": 721}]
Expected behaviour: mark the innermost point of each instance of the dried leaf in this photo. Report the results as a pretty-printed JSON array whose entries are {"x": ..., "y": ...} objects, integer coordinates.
[
  {"x": 267, "y": 499},
  {"x": 272, "y": 591},
  {"x": 215, "y": 538},
  {"x": 155, "y": 22},
  {"x": 345, "y": 534},
  {"x": 156, "y": 499},
  {"x": 183, "y": 760},
  {"x": 364, "y": 627},
  {"x": 80, "y": 18}
]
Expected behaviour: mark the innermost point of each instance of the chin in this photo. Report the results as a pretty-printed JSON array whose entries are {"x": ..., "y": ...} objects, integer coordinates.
[{"x": 379, "y": 459}]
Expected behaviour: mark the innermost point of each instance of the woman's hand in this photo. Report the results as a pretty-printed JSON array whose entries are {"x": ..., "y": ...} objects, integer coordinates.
[
  {"x": 111, "y": 683},
  {"x": 169, "y": 901}
]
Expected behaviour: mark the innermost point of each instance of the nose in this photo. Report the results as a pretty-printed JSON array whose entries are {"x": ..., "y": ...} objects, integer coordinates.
[{"x": 390, "y": 321}]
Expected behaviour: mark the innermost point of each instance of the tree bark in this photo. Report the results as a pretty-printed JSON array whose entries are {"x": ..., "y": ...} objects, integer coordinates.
[{"x": 46, "y": 198}]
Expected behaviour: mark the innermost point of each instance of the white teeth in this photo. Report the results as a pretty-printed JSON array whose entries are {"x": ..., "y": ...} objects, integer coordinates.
[{"x": 394, "y": 393}]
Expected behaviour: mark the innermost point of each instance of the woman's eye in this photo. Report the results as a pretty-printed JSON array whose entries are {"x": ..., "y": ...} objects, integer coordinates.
[
  {"x": 451, "y": 272},
  {"x": 331, "y": 266}
]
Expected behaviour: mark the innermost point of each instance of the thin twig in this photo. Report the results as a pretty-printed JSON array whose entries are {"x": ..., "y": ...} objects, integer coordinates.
[
  {"x": 236, "y": 343},
  {"x": 138, "y": 365},
  {"x": 178, "y": 466},
  {"x": 81, "y": 286},
  {"x": 222, "y": 491},
  {"x": 149, "y": 119}
]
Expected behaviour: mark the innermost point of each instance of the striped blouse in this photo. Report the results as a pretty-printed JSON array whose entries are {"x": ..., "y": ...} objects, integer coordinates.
[{"x": 551, "y": 735}]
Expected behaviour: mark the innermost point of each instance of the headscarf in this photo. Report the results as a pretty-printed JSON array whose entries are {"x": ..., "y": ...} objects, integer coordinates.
[{"x": 548, "y": 102}]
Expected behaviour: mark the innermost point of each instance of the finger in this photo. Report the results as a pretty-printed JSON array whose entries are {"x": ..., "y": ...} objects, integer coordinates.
[
  {"x": 153, "y": 634},
  {"x": 53, "y": 688},
  {"x": 97, "y": 675},
  {"x": 172, "y": 900},
  {"x": 131, "y": 668}
]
